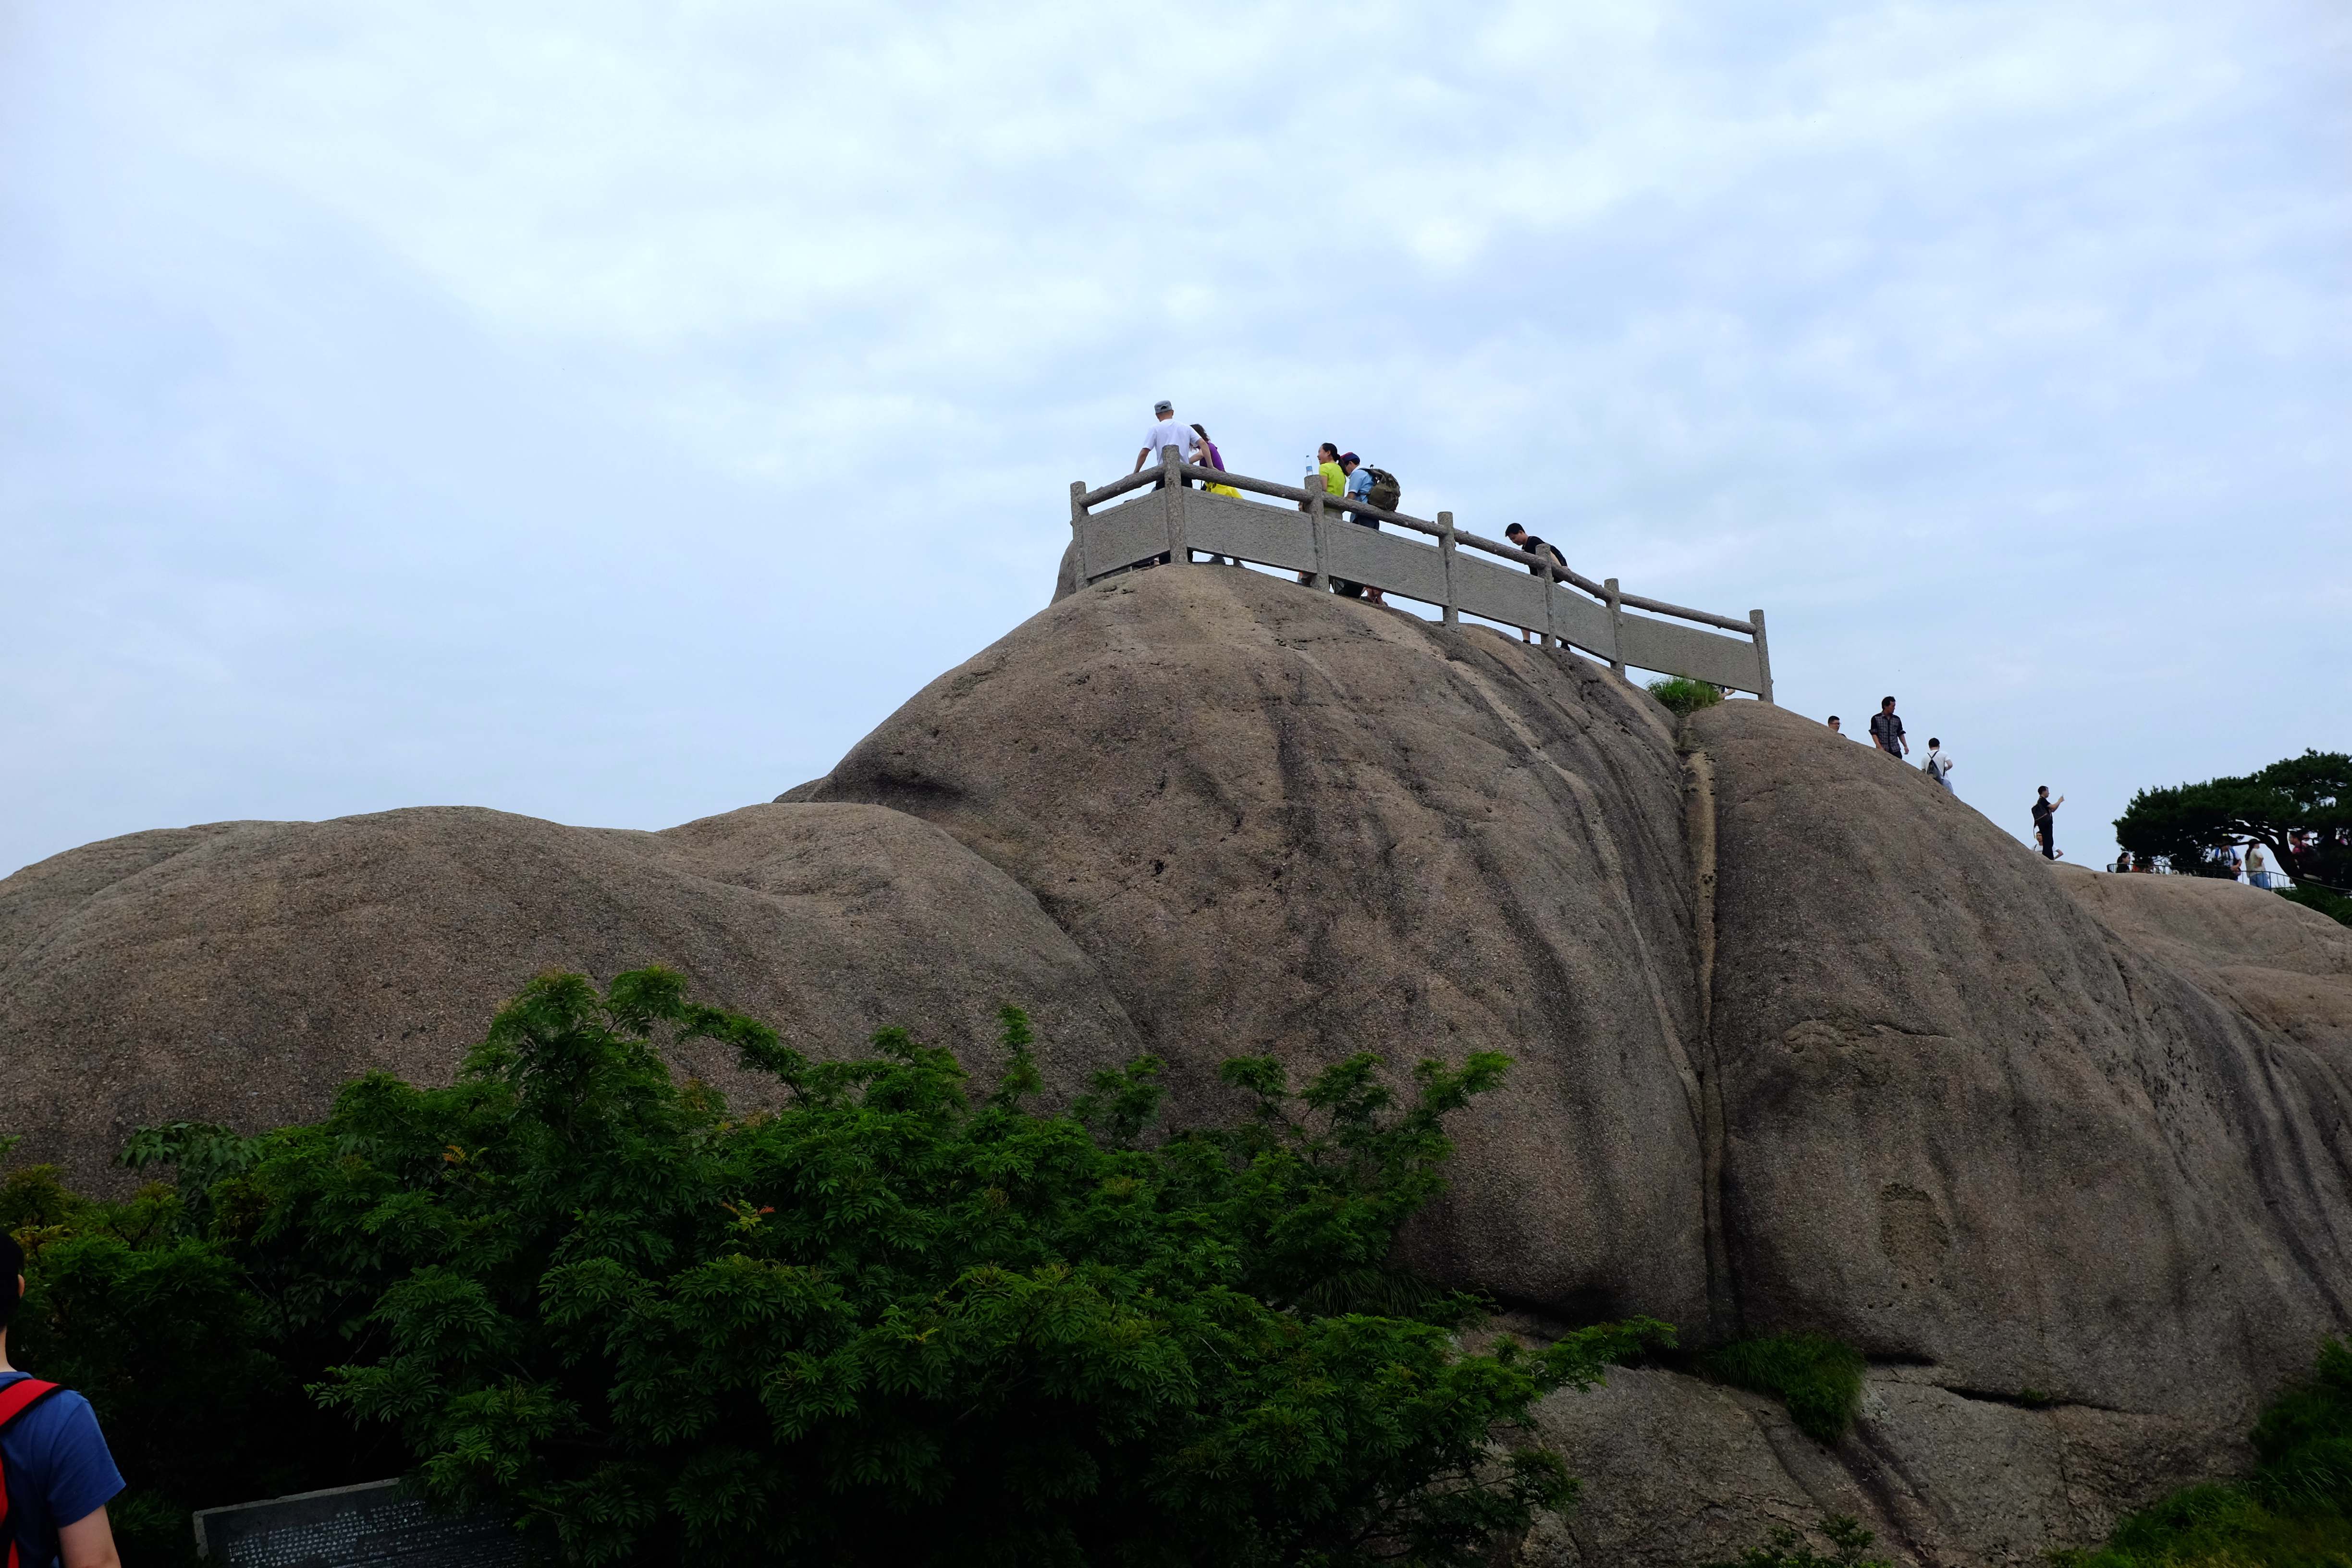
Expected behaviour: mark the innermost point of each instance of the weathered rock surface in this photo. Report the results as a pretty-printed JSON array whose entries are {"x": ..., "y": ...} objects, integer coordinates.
[
  {"x": 1968, "y": 1124},
  {"x": 1677, "y": 1472},
  {"x": 1286, "y": 822},
  {"x": 1802, "y": 1043},
  {"x": 243, "y": 971}
]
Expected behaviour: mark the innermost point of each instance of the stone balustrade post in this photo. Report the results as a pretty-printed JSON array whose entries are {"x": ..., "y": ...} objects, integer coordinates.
[
  {"x": 1171, "y": 492},
  {"x": 1445, "y": 549},
  {"x": 1616, "y": 629}
]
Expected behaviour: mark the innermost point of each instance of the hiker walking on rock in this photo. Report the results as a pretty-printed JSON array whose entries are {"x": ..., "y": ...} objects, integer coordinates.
[
  {"x": 1886, "y": 729},
  {"x": 2046, "y": 829},
  {"x": 59, "y": 1474},
  {"x": 1534, "y": 544}
]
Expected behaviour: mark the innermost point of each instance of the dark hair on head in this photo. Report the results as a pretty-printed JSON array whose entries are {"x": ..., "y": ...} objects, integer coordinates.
[
  {"x": 1884, "y": 700},
  {"x": 1933, "y": 742},
  {"x": 12, "y": 1263},
  {"x": 2041, "y": 789},
  {"x": 1833, "y": 718},
  {"x": 1514, "y": 528},
  {"x": 1204, "y": 434},
  {"x": 1332, "y": 448}
]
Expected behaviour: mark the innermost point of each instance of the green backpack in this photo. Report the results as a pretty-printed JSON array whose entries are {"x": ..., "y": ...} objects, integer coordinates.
[{"x": 1384, "y": 491}]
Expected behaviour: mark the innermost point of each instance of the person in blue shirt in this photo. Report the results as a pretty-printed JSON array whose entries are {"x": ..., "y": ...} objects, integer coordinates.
[
  {"x": 60, "y": 1476},
  {"x": 1359, "y": 488}
]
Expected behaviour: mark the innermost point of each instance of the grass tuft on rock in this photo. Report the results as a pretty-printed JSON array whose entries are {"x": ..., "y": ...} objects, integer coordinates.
[
  {"x": 1686, "y": 696},
  {"x": 1817, "y": 1377}
]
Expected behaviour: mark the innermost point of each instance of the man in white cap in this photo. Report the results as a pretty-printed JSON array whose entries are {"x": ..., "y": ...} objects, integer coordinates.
[{"x": 1168, "y": 432}]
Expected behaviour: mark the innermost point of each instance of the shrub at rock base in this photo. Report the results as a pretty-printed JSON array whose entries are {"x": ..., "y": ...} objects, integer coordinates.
[
  {"x": 2297, "y": 1512},
  {"x": 1818, "y": 1379},
  {"x": 890, "y": 1322}
]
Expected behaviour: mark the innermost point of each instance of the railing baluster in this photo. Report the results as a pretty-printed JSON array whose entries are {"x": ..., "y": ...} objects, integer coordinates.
[
  {"x": 1322, "y": 584},
  {"x": 1763, "y": 655},
  {"x": 1445, "y": 548},
  {"x": 1174, "y": 494},
  {"x": 1616, "y": 628},
  {"x": 1078, "y": 532}
]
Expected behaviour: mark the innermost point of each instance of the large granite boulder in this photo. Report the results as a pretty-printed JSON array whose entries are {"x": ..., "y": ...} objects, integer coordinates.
[
  {"x": 1286, "y": 822},
  {"x": 1969, "y": 1124},
  {"x": 1802, "y": 1042},
  {"x": 242, "y": 971}
]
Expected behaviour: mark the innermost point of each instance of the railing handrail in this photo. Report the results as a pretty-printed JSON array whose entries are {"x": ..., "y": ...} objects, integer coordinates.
[{"x": 1152, "y": 475}]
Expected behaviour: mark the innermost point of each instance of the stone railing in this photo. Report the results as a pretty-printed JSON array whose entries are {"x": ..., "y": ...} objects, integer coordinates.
[{"x": 1317, "y": 536}]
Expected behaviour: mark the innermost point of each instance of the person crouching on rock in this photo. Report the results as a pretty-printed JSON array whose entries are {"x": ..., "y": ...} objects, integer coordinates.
[
  {"x": 59, "y": 1473},
  {"x": 1534, "y": 545}
]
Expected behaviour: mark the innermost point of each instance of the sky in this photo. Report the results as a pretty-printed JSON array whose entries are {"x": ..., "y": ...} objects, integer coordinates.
[{"x": 611, "y": 412}]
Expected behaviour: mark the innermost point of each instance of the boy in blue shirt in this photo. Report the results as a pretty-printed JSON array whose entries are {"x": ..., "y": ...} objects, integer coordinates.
[{"x": 59, "y": 1475}]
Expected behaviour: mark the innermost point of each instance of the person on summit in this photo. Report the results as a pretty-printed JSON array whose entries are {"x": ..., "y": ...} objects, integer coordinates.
[
  {"x": 1167, "y": 431},
  {"x": 2045, "y": 828},
  {"x": 1886, "y": 729},
  {"x": 1216, "y": 461},
  {"x": 1359, "y": 488},
  {"x": 1533, "y": 544},
  {"x": 1834, "y": 728},
  {"x": 59, "y": 1475}
]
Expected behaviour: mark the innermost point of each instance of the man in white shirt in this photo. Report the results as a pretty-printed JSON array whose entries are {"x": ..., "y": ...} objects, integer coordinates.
[
  {"x": 1169, "y": 432},
  {"x": 1940, "y": 764}
]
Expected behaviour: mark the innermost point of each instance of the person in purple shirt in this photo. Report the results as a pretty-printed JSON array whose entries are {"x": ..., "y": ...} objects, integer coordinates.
[{"x": 60, "y": 1477}]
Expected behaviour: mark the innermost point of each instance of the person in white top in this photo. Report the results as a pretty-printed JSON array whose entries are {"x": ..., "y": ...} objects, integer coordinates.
[
  {"x": 1940, "y": 764},
  {"x": 2256, "y": 875},
  {"x": 1169, "y": 432}
]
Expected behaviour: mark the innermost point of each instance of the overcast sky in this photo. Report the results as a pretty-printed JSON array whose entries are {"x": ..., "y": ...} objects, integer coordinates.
[{"x": 611, "y": 412}]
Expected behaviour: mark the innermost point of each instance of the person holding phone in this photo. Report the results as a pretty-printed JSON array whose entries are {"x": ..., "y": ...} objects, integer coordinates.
[{"x": 2045, "y": 827}]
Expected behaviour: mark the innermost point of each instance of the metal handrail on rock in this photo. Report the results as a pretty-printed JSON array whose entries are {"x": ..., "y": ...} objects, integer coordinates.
[{"x": 1175, "y": 520}]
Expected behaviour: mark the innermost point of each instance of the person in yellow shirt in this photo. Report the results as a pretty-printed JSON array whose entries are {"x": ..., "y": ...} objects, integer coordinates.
[{"x": 1335, "y": 478}]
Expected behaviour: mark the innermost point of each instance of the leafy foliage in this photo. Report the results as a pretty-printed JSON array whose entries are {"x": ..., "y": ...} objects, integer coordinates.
[
  {"x": 2334, "y": 906},
  {"x": 897, "y": 1320},
  {"x": 187, "y": 1364},
  {"x": 2296, "y": 1512},
  {"x": 1818, "y": 1378},
  {"x": 1685, "y": 696},
  {"x": 1785, "y": 1548},
  {"x": 2311, "y": 795}
]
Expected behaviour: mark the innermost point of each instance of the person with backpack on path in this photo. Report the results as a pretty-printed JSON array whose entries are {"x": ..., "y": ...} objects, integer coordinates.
[
  {"x": 1359, "y": 488},
  {"x": 1939, "y": 764},
  {"x": 1533, "y": 544},
  {"x": 2045, "y": 828},
  {"x": 1886, "y": 731},
  {"x": 59, "y": 1475}
]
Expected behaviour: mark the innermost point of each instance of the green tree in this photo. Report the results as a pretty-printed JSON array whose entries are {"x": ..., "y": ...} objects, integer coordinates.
[
  {"x": 895, "y": 1321},
  {"x": 196, "y": 1386},
  {"x": 2312, "y": 793}
]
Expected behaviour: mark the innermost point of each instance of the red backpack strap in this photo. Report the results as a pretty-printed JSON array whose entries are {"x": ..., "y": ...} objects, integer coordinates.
[
  {"x": 14, "y": 1400},
  {"x": 22, "y": 1395}
]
